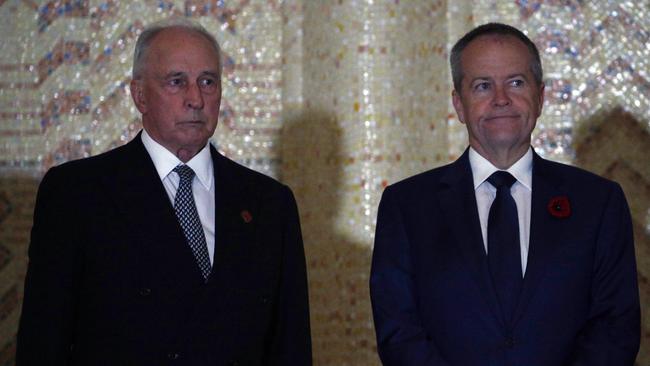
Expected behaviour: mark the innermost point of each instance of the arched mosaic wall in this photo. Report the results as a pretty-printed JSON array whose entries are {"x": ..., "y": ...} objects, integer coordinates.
[{"x": 335, "y": 98}]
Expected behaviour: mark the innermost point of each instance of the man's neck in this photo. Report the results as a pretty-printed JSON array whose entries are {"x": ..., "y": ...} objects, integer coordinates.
[
  {"x": 186, "y": 155},
  {"x": 501, "y": 158}
]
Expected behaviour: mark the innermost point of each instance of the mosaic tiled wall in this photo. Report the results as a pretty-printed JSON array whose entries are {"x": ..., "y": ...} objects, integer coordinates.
[
  {"x": 615, "y": 145},
  {"x": 595, "y": 56},
  {"x": 366, "y": 120},
  {"x": 66, "y": 66},
  {"x": 336, "y": 98}
]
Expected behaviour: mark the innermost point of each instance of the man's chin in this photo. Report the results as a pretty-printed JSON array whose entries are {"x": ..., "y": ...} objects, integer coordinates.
[
  {"x": 191, "y": 138},
  {"x": 194, "y": 141}
]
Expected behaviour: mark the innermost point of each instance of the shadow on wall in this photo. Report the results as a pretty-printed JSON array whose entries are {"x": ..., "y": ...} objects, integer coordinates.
[
  {"x": 616, "y": 146},
  {"x": 338, "y": 267},
  {"x": 17, "y": 199}
]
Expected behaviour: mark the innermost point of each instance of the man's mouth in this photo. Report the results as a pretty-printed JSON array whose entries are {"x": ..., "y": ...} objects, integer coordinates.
[
  {"x": 504, "y": 116},
  {"x": 193, "y": 122}
]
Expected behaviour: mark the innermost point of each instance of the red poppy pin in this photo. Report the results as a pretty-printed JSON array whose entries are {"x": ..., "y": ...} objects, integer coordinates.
[
  {"x": 559, "y": 207},
  {"x": 246, "y": 216}
]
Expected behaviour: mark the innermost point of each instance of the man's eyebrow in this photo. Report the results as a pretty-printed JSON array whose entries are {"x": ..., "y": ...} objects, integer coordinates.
[
  {"x": 173, "y": 74},
  {"x": 488, "y": 78},
  {"x": 517, "y": 75},
  {"x": 480, "y": 78},
  {"x": 213, "y": 74}
]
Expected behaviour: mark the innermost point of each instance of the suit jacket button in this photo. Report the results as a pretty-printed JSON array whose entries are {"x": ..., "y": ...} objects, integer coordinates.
[
  {"x": 145, "y": 291},
  {"x": 510, "y": 342}
]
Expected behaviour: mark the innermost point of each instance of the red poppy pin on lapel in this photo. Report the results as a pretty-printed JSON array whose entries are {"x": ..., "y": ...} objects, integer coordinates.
[
  {"x": 246, "y": 216},
  {"x": 559, "y": 207}
]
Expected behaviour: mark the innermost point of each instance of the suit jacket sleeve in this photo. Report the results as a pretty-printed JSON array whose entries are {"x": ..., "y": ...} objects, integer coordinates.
[
  {"x": 612, "y": 334},
  {"x": 51, "y": 285},
  {"x": 291, "y": 342},
  {"x": 401, "y": 338}
]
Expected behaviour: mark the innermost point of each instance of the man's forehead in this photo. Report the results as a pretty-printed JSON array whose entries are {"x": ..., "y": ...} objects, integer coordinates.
[
  {"x": 497, "y": 38},
  {"x": 176, "y": 33},
  {"x": 174, "y": 53},
  {"x": 178, "y": 39},
  {"x": 492, "y": 46}
]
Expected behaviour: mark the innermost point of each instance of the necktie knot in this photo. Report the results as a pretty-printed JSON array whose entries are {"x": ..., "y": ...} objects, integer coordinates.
[
  {"x": 501, "y": 178},
  {"x": 184, "y": 172}
]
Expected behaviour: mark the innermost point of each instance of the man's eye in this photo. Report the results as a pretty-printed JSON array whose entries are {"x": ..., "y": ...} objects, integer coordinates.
[
  {"x": 208, "y": 84},
  {"x": 482, "y": 86},
  {"x": 517, "y": 83},
  {"x": 175, "y": 82}
]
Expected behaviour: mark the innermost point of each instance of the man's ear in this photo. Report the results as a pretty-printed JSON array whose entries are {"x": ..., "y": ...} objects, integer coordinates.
[
  {"x": 138, "y": 95},
  {"x": 458, "y": 105},
  {"x": 541, "y": 99}
]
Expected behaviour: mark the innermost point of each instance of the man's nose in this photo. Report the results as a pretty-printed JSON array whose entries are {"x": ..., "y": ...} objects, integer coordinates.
[
  {"x": 501, "y": 97},
  {"x": 193, "y": 97}
]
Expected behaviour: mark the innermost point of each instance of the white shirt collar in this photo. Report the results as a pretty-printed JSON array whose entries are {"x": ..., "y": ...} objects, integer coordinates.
[
  {"x": 522, "y": 169},
  {"x": 165, "y": 161}
]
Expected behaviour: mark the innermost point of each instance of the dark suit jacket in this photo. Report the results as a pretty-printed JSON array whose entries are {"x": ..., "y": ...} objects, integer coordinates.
[
  {"x": 432, "y": 298},
  {"x": 111, "y": 280}
]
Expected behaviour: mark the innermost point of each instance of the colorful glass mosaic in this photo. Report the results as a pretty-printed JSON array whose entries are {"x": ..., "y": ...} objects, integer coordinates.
[
  {"x": 335, "y": 98},
  {"x": 66, "y": 66}
]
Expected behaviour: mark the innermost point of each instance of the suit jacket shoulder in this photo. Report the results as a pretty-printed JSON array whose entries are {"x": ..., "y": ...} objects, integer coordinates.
[
  {"x": 248, "y": 179},
  {"x": 567, "y": 173},
  {"x": 561, "y": 175},
  {"x": 588, "y": 193},
  {"x": 456, "y": 175}
]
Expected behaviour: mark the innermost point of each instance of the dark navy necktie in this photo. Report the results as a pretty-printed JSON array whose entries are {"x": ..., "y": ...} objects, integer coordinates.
[
  {"x": 188, "y": 217},
  {"x": 504, "y": 253}
]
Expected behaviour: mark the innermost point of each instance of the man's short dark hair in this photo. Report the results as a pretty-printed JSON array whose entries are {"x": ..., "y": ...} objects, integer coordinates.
[{"x": 493, "y": 29}]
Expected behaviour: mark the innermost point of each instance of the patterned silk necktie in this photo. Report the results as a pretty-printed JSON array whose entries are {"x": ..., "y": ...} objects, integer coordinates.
[
  {"x": 504, "y": 256},
  {"x": 188, "y": 217}
]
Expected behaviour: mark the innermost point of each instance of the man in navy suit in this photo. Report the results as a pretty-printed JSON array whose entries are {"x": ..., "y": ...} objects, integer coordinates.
[
  {"x": 162, "y": 251},
  {"x": 502, "y": 257}
]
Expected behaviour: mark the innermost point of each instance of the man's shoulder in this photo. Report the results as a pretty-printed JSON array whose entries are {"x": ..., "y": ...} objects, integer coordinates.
[
  {"x": 245, "y": 178},
  {"x": 243, "y": 173},
  {"x": 81, "y": 178},
  {"x": 428, "y": 179},
  {"x": 97, "y": 164},
  {"x": 570, "y": 175}
]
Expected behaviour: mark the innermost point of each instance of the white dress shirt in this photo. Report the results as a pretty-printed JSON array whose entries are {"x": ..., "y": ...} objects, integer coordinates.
[
  {"x": 521, "y": 192},
  {"x": 202, "y": 184}
]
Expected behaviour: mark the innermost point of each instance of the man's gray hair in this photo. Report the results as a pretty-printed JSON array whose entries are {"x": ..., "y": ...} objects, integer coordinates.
[
  {"x": 493, "y": 29},
  {"x": 151, "y": 31}
]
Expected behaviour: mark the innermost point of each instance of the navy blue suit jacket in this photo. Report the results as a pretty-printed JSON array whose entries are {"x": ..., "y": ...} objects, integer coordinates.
[
  {"x": 112, "y": 281},
  {"x": 432, "y": 298}
]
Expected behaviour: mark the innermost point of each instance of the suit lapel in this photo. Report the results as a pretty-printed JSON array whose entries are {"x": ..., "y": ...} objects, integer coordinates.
[
  {"x": 143, "y": 202},
  {"x": 235, "y": 211},
  {"x": 458, "y": 202},
  {"x": 545, "y": 230}
]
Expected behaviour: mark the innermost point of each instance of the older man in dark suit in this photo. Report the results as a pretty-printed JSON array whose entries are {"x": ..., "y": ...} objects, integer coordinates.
[
  {"x": 163, "y": 251},
  {"x": 503, "y": 258}
]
